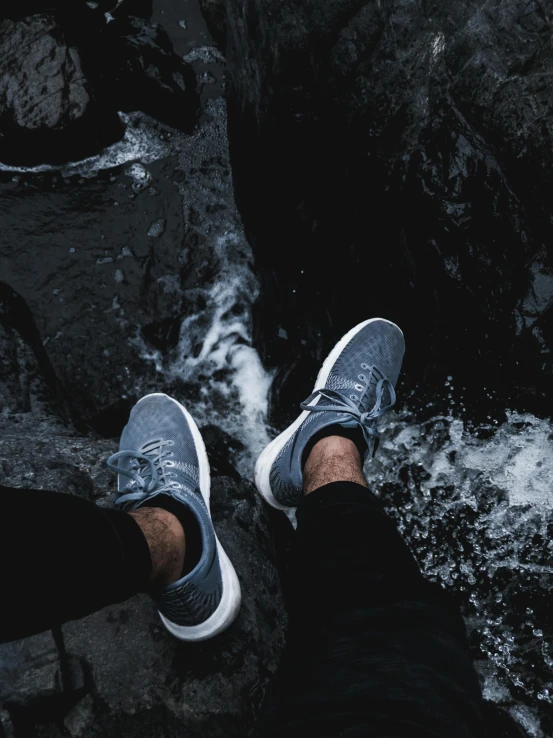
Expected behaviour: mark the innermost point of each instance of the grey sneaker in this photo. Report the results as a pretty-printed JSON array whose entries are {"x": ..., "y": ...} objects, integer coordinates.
[
  {"x": 355, "y": 386},
  {"x": 162, "y": 452}
]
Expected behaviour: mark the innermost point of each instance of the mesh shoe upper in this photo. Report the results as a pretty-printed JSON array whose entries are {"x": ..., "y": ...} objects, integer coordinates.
[
  {"x": 159, "y": 418},
  {"x": 357, "y": 389}
]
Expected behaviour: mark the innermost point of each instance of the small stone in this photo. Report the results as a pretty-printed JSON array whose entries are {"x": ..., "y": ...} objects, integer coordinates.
[
  {"x": 157, "y": 228},
  {"x": 79, "y": 718},
  {"x": 6, "y": 725},
  {"x": 207, "y": 78},
  {"x": 140, "y": 175},
  {"x": 29, "y": 669}
]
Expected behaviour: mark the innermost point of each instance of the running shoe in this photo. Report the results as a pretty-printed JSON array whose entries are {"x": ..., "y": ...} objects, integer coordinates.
[
  {"x": 354, "y": 388},
  {"x": 162, "y": 453}
]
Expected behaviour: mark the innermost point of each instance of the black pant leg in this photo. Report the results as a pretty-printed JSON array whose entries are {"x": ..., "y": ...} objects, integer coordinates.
[
  {"x": 373, "y": 648},
  {"x": 63, "y": 558}
]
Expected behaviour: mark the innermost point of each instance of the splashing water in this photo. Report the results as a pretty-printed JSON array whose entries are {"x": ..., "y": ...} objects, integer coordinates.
[
  {"x": 145, "y": 140},
  {"x": 227, "y": 384},
  {"x": 477, "y": 513}
]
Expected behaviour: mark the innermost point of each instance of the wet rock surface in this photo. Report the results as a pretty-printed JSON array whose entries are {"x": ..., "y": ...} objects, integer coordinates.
[
  {"x": 45, "y": 97},
  {"x": 118, "y": 672},
  {"x": 125, "y": 257},
  {"x": 394, "y": 158},
  {"x": 60, "y": 99}
]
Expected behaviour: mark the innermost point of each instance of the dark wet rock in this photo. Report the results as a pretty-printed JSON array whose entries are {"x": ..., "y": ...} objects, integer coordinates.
[
  {"x": 142, "y": 72},
  {"x": 6, "y": 725},
  {"x": 60, "y": 99},
  {"x": 29, "y": 670},
  {"x": 78, "y": 720},
  {"x": 91, "y": 294},
  {"x": 19, "y": 327},
  {"x": 118, "y": 672},
  {"x": 27, "y": 399},
  {"x": 214, "y": 12},
  {"x": 501, "y": 724},
  {"x": 221, "y": 446},
  {"x": 116, "y": 7},
  {"x": 72, "y": 465},
  {"x": 163, "y": 334},
  {"x": 47, "y": 106},
  {"x": 106, "y": 278},
  {"x": 24, "y": 8},
  {"x": 395, "y": 159}
]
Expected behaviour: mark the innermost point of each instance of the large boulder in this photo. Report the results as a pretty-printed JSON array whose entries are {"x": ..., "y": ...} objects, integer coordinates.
[
  {"x": 395, "y": 159},
  {"x": 60, "y": 98},
  {"x": 133, "y": 280},
  {"x": 47, "y": 107}
]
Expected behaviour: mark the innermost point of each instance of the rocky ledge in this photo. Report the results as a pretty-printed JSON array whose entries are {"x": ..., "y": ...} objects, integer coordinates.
[{"x": 118, "y": 672}]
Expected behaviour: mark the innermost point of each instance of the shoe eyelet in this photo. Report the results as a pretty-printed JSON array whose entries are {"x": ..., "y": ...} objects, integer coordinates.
[
  {"x": 362, "y": 377},
  {"x": 364, "y": 366},
  {"x": 170, "y": 443},
  {"x": 353, "y": 397},
  {"x": 359, "y": 387}
]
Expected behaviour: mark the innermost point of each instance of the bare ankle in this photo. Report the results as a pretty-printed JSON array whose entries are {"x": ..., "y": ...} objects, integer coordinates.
[
  {"x": 332, "y": 459},
  {"x": 165, "y": 537}
]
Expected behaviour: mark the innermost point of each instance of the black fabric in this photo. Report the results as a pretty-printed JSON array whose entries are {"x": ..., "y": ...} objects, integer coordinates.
[
  {"x": 373, "y": 649},
  {"x": 64, "y": 557}
]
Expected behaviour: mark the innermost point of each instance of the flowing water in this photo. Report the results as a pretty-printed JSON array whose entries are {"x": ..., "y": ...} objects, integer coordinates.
[
  {"x": 214, "y": 352},
  {"x": 476, "y": 506}
]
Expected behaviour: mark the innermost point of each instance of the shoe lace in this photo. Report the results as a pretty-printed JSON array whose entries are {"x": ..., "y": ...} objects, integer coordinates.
[
  {"x": 149, "y": 461},
  {"x": 366, "y": 419}
]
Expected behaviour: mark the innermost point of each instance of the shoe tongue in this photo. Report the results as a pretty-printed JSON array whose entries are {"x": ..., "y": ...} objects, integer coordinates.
[
  {"x": 350, "y": 423},
  {"x": 347, "y": 387},
  {"x": 145, "y": 472}
]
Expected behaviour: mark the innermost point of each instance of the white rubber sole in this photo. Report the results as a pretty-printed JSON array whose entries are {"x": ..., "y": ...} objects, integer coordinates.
[
  {"x": 269, "y": 455},
  {"x": 229, "y": 606}
]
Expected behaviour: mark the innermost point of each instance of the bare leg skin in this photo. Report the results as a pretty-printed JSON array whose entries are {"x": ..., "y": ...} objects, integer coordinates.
[
  {"x": 165, "y": 537},
  {"x": 332, "y": 459}
]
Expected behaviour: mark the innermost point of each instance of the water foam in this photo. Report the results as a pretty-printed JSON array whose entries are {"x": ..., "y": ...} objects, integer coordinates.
[
  {"x": 145, "y": 140},
  {"x": 477, "y": 513}
]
